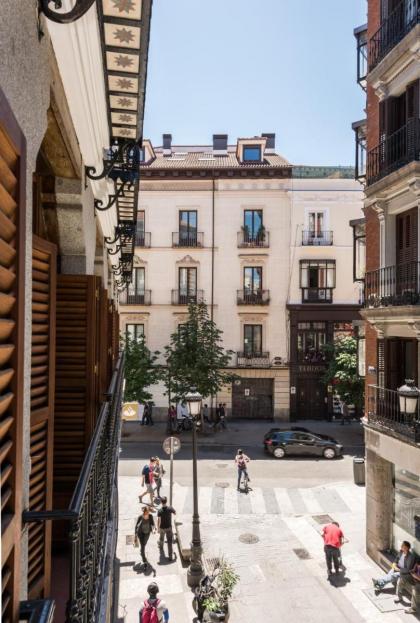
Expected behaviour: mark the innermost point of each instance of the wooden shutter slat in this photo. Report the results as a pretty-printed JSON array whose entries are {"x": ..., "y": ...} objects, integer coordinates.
[
  {"x": 7, "y": 176},
  {"x": 5, "y": 402},
  {"x": 5, "y": 473},
  {"x": 5, "y": 426}
]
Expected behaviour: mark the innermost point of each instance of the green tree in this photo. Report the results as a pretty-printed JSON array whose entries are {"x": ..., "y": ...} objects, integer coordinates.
[
  {"x": 342, "y": 371},
  {"x": 141, "y": 369},
  {"x": 195, "y": 356}
]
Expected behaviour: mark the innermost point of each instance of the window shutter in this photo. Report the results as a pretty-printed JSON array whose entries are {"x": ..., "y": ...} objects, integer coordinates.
[
  {"x": 12, "y": 240},
  {"x": 380, "y": 346},
  {"x": 44, "y": 259},
  {"x": 76, "y": 374}
]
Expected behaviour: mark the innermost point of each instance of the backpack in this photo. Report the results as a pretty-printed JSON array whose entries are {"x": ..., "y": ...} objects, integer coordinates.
[{"x": 149, "y": 612}]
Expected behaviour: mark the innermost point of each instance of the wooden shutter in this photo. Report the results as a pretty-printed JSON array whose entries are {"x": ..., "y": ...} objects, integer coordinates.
[
  {"x": 406, "y": 238},
  {"x": 76, "y": 379},
  {"x": 12, "y": 279},
  {"x": 380, "y": 346},
  {"x": 44, "y": 259}
]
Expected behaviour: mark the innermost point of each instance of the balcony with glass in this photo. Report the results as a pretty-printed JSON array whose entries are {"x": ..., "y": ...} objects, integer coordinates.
[
  {"x": 362, "y": 55},
  {"x": 317, "y": 280}
]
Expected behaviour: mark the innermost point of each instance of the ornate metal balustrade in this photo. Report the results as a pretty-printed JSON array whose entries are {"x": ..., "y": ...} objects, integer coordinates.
[
  {"x": 127, "y": 297},
  {"x": 253, "y": 360},
  {"x": 249, "y": 239},
  {"x": 394, "y": 151},
  {"x": 317, "y": 239},
  {"x": 252, "y": 297},
  {"x": 93, "y": 514},
  {"x": 384, "y": 413},
  {"x": 393, "y": 285},
  {"x": 392, "y": 30}
]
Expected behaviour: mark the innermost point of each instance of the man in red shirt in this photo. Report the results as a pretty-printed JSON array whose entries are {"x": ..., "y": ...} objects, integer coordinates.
[{"x": 333, "y": 540}]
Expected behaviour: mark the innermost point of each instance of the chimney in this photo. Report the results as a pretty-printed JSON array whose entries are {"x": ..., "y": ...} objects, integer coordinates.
[
  {"x": 167, "y": 144},
  {"x": 270, "y": 145},
  {"x": 220, "y": 143}
]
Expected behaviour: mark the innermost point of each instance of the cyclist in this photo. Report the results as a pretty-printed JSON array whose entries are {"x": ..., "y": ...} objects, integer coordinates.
[{"x": 241, "y": 460}]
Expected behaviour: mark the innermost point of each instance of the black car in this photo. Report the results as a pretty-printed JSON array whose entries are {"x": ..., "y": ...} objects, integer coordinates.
[{"x": 298, "y": 443}]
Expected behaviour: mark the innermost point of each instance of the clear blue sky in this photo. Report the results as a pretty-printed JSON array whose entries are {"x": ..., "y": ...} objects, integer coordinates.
[{"x": 243, "y": 67}]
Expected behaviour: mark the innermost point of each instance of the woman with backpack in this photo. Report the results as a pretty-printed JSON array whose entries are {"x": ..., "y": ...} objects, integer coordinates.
[
  {"x": 154, "y": 610},
  {"x": 145, "y": 525}
]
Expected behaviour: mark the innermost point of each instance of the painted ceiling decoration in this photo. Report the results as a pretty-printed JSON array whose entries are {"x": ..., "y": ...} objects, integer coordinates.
[{"x": 125, "y": 31}]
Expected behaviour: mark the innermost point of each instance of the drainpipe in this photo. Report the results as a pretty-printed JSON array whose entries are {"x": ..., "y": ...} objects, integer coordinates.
[{"x": 212, "y": 274}]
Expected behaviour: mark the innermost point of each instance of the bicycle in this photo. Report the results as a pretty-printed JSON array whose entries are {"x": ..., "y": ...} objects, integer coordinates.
[{"x": 245, "y": 480}]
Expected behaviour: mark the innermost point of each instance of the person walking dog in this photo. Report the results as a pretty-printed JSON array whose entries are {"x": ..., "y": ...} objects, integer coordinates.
[
  {"x": 154, "y": 610},
  {"x": 165, "y": 526}
]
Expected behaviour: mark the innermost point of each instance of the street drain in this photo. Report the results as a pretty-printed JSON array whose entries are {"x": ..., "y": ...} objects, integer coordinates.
[
  {"x": 248, "y": 538},
  {"x": 302, "y": 553},
  {"x": 222, "y": 485},
  {"x": 322, "y": 518},
  {"x": 129, "y": 539}
]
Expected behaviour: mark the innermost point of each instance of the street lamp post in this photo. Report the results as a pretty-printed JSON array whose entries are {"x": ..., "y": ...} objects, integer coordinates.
[{"x": 195, "y": 571}]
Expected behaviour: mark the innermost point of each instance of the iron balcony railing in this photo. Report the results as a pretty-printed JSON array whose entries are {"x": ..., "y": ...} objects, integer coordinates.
[
  {"x": 384, "y": 412},
  {"x": 179, "y": 297},
  {"x": 187, "y": 239},
  {"x": 392, "y": 30},
  {"x": 317, "y": 239},
  {"x": 394, "y": 151},
  {"x": 143, "y": 239},
  {"x": 93, "y": 514},
  {"x": 252, "y": 297},
  {"x": 393, "y": 285},
  {"x": 251, "y": 239},
  {"x": 317, "y": 295},
  {"x": 253, "y": 359},
  {"x": 135, "y": 298}
]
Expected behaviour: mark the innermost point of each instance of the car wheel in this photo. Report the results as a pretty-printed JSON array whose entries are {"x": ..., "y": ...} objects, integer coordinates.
[
  {"x": 329, "y": 453},
  {"x": 279, "y": 453}
]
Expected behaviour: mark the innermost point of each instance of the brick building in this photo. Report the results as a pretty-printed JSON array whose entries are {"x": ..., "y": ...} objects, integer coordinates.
[{"x": 388, "y": 154}]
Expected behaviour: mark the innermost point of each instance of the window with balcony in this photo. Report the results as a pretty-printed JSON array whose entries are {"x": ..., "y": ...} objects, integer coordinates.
[
  {"x": 135, "y": 293},
  {"x": 252, "y": 339},
  {"x": 311, "y": 339},
  {"x": 187, "y": 234},
  {"x": 316, "y": 234},
  {"x": 142, "y": 237},
  {"x": 398, "y": 17},
  {"x": 252, "y": 292},
  {"x": 317, "y": 280},
  {"x": 253, "y": 232},
  {"x": 187, "y": 286},
  {"x": 251, "y": 153},
  {"x": 134, "y": 331}
]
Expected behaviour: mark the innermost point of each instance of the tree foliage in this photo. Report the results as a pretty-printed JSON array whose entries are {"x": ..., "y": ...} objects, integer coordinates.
[
  {"x": 195, "y": 356},
  {"x": 141, "y": 369},
  {"x": 342, "y": 371}
]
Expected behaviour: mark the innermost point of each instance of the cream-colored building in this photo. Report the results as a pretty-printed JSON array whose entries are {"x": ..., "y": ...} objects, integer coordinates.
[{"x": 217, "y": 223}]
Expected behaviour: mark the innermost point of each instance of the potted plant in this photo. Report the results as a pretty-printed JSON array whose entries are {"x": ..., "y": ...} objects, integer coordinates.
[
  {"x": 261, "y": 234},
  {"x": 245, "y": 232},
  {"x": 217, "y": 606}
]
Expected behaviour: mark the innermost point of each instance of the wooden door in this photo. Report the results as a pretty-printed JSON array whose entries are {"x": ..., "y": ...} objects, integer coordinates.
[
  {"x": 311, "y": 399},
  {"x": 12, "y": 311},
  {"x": 400, "y": 362},
  {"x": 44, "y": 260},
  {"x": 76, "y": 379}
]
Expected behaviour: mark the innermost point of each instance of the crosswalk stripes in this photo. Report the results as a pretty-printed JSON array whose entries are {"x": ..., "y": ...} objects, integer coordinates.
[{"x": 216, "y": 500}]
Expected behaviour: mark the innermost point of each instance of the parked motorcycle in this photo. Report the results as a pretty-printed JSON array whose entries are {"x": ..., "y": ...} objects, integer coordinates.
[{"x": 184, "y": 424}]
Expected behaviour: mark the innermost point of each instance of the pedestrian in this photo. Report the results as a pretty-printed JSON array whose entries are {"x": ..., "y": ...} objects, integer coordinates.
[
  {"x": 206, "y": 414},
  {"x": 147, "y": 481},
  {"x": 145, "y": 418},
  {"x": 218, "y": 417},
  {"x": 172, "y": 418},
  {"x": 145, "y": 525},
  {"x": 223, "y": 415},
  {"x": 413, "y": 588},
  {"x": 241, "y": 460},
  {"x": 150, "y": 413},
  {"x": 165, "y": 526},
  {"x": 344, "y": 413},
  {"x": 154, "y": 610},
  {"x": 158, "y": 472},
  {"x": 333, "y": 540},
  {"x": 402, "y": 567}
]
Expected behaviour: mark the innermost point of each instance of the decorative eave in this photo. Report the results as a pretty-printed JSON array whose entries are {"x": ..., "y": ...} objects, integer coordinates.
[{"x": 234, "y": 173}]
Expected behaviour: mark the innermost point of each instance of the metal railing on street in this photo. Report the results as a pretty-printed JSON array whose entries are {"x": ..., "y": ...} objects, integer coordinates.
[
  {"x": 384, "y": 412},
  {"x": 393, "y": 285}
]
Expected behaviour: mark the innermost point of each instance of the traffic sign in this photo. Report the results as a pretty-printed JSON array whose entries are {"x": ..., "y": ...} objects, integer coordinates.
[{"x": 171, "y": 444}]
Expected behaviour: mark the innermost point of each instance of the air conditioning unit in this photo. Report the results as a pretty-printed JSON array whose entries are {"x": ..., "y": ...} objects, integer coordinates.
[{"x": 277, "y": 361}]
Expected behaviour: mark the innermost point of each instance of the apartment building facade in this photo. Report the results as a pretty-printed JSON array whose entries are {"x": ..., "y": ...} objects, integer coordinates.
[
  {"x": 230, "y": 225},
  {"x": 61, "y": 375},
  {"x": 388, "y": 163}
]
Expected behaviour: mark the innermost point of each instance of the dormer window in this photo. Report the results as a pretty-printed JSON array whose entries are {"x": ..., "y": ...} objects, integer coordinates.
[{"x": 252, "y": 153}]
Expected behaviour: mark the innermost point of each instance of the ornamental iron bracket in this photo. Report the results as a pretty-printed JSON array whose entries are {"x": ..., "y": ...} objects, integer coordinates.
[
  {"x": 123, "y": 158},
  {"x": 99, "y": 204},
  {"x": 117, "y": 249},
  {"x": 80, "y": 8}
]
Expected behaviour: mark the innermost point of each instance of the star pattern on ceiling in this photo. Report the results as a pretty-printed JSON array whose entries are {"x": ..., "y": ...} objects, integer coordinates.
[
  {"x": 123, "y": 83},
  {"x": 125, "y": 118},
  {"x": 124, "y": 6},
  {"x": 123, "y": 35},
  {"x": 124, "y": 102},
  {"x": 125, "y": 132},
  {"x": 124, "y": 61}
]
